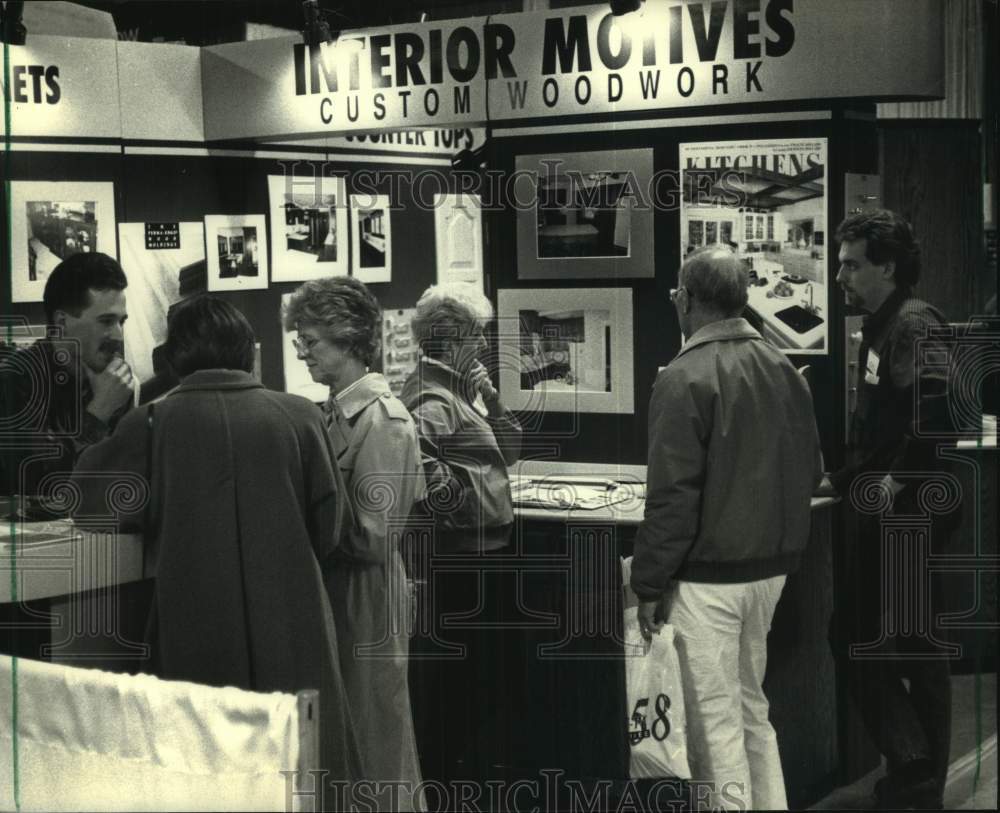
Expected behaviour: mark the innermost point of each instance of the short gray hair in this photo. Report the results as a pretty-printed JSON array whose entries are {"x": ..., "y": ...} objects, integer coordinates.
[
  {"x": 448, "y": 310},
  {"x": 717, "y": 278},
  {"x": 343, "y": 309}
]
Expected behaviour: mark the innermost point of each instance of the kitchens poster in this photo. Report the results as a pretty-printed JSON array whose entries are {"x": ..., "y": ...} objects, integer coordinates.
[{"x": 767, "y": 200}]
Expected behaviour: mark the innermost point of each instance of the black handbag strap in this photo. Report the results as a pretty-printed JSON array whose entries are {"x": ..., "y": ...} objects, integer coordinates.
[{"x": 146, "y": 527}]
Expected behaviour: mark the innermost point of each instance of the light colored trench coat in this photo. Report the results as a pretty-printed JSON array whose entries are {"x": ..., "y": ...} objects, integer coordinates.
[{"x": 375, "y": 443}]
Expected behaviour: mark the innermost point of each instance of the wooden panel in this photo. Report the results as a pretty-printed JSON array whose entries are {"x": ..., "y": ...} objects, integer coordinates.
[
  {"x": 458, "y": 227},
  {"x": 932, "y": 175}
]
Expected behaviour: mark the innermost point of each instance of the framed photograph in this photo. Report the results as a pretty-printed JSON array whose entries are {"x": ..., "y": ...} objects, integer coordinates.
[
  {"x": 52, "y": 220},
  {"x": 371, "y": 238},
  {"x": 236, "y": 251},
  {"x": 767, "y": 200},
  {"x": 298, "y": 381},
  {"x": 308, "y": 228},
  {"x": 590, "y": 215},
  {"x": 566, "y": 350}
]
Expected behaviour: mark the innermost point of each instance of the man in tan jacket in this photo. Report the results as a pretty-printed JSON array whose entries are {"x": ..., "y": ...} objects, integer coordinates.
[{"x": 734, "y": 457}]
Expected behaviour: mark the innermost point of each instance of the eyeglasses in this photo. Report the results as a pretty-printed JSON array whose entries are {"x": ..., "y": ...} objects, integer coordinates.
[
  {"x": 675, "y": 292},
  {"x": 304, "y": 345}
]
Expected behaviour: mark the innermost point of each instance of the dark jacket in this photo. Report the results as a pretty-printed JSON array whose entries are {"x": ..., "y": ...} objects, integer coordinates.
[
  {"x": 43, "y": 415},
  {"x": 465, "y": 456},
  {"x": 734, "y": 458},
  {"x": 246, "y": 506},
  {"x": 890, "y": 432}
]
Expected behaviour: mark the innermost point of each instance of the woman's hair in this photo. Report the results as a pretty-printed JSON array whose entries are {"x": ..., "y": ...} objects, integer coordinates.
[
  {"x": 206, "y": 333},
  {"x": 344, "y": 310},
  {"x": 447, "y": 312}
]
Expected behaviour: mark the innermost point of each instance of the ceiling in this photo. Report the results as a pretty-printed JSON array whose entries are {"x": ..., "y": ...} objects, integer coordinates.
[{"x": 209, "y": 22}]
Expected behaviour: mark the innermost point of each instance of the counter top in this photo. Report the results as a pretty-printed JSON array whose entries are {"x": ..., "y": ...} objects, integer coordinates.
[
  {"x": 629, "y": 512},
  {"x": 631, "y": 481},
  {"x": 766, "y": 308},
  {"x": 58, "y": 558}
]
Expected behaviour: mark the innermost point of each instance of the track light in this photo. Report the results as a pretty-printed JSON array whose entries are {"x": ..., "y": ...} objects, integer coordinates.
[
  {"x": 14, "y": 32},
  {"x": 469, "y": 160},
  {"x": 316, "y": 29},
  {"x": 621, "y": 7}
]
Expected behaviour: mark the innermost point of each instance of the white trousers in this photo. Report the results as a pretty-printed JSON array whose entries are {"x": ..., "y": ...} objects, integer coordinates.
[{"x": 722, "y": 646}]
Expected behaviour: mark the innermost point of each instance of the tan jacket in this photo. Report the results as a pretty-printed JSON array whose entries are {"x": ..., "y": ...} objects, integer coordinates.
[
  {"x": 734, "y": 457},
  {"x": 376, "y": 448}
]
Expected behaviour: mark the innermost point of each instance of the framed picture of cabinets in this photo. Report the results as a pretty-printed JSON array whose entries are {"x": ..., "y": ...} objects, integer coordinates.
[
  {"x": 586, "y": 215},
  {"x": 767, "y": 201},
  {"x": 49, "y": 222},
  {"x": 566, "y": 349},
  {"x": 308, "y": 227},
  {"x": 236, "y": 252}
]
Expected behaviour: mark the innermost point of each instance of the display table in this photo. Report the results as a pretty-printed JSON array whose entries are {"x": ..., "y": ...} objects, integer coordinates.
[
  {"x": 574, "y": 669},
  {"x": 72, "y": 594},
  {"x": 58, "y": 558},
  {"x": 564, "y": 641}
]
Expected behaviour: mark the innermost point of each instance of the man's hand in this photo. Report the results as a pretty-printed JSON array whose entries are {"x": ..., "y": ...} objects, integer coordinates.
[
  {"x": 480, "y": 380},
  {"x": 649, "y": 618},
  {"x": 112, "y": 389}
]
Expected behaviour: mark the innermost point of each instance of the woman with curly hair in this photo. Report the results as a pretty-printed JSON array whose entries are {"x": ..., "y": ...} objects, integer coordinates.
[{"x": 338, "y": 322}]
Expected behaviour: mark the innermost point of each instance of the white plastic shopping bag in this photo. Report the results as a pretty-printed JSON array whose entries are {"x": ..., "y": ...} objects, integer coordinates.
[{"x": 657, "y": 733}]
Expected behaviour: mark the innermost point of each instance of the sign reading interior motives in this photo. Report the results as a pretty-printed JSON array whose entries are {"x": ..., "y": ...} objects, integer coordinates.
[{"x": 673, "y": 54}]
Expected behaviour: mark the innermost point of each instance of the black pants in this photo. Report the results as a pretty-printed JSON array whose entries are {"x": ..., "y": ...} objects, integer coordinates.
[
  {"x": 461, "y": 669},
  {"x": 883, "y": 632}
]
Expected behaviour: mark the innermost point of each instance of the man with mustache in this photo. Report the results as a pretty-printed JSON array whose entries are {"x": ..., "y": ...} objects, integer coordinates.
[
  {"x": 902, "y": 404},
  {"x": 61, "y": 395}
]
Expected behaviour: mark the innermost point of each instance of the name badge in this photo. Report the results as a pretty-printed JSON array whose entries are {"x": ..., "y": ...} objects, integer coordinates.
[{"x": 871, "y": 367}]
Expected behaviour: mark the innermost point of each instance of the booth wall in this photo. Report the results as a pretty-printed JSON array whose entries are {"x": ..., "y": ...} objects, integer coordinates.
[
  {"x": 159, "y": 188},
  {"x": 852, "y": 147}
]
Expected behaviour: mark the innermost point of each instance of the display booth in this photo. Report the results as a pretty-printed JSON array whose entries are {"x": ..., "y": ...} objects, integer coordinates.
[{"x": 567, "y": 161}]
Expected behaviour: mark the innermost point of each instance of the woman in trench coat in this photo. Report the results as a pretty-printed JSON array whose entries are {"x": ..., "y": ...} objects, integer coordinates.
[{"x": 338, "y": 322}]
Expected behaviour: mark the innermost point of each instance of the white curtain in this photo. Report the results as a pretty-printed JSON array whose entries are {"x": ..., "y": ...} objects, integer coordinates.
[{"x": 92, "y": 740}]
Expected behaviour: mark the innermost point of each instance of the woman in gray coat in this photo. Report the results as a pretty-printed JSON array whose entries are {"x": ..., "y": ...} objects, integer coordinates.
[{"x": 245, "y": 507}]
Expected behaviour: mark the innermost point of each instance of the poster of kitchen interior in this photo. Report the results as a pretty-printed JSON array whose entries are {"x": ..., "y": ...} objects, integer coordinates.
[
  {"x": 308, "y": 228},
  {"x": 591, "y": 215},
  {"x": 298, "y": 379},
  {"x": 236, "y": 250},
  {"x": 52, "y": 220},
  {"x": 165, "y": 262},
  {"x": 371, "y": 238},
  {"x": 767, "y": 200},
  {"x": 566, "y": 350},
  {"x": 399, "y": 348}
]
